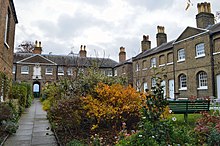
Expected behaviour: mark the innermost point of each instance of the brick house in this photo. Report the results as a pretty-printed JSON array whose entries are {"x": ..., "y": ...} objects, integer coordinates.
[
  {"x": 188, "y": 65},
  {"x": 39, "y": 69},
  {"x": 8, "y": 20}
]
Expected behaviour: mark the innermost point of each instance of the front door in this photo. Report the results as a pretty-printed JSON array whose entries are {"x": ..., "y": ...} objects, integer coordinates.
[
  {"x": 163, "y": 83},
  {"x": 36, "y": 89},
  {"x": 171, "y": 89},
  {"x": 218, "y": 86}
]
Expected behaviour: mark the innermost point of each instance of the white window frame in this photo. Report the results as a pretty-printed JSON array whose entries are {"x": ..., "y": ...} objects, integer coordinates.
[
  {"x": 200, "y": 50},
  {"x": 60, "y": 71},
  {"x": 153, "y": 62},
  {"x": 108, "y": 73},
  {"x": 6, "y": 28},
  {"x": 183, "y": 82},
  {"x": 49, "y": 72},
  {"x": 70, "y": 71},
  {"x": 137, "y": 67},
  {"x": 153, "y": 82},
  {"x": 203, "y": 80},
  {"x": 145, "y": 86},
  {"x": 25, "y": 70},
  {"x": 116, "y": 73},
  {"x": 181, "y": 55},
  {"x": 138, "y": 83}
]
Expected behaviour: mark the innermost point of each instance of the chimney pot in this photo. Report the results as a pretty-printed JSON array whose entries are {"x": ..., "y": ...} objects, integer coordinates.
[
  {"x": 122, "y": 54},
  {"x": 161, "y": 35}
]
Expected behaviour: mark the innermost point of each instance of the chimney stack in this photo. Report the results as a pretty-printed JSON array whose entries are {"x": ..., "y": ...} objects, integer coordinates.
[
  {"x": 37, "y": 48},
  {"x": 82, "y": 52},
  {"x": 122, "y": 54},
  {"x": 161, "y": 35},
  {"x": 204, "y": 18},
  {"x": 145, "y": 43}
]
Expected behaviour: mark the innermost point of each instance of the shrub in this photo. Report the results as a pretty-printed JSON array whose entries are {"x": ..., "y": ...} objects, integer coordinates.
[
  {"x": 75, "y": 142},
  {"x": 6, "y": 112}
]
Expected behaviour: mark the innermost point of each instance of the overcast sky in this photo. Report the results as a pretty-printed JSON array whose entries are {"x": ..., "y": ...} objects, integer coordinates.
[{"x": 102, "y": 25}]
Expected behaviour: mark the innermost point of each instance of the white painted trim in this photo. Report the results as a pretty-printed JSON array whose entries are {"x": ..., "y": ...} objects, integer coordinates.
[
  {"x": 216, "y": 53},
  {"x": 203, "y": 88},
  {"x": 170, "y": 63},
  {"x": 162, "y": 65},
  {"x": 182, "y": 60},
  {"x": 200, "y": 56},
  {"x": 22, "y": 61},
  {"x": 6, "y": 44},
  {"x": 183, "y": 89},
  {"x": 145, "y": 68}
]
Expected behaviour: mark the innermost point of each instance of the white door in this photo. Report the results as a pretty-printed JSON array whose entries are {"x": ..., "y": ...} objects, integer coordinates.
[
  {"x": 145, "y": 86},
  {"x": 218, "y": 86},
  {"x": 163, "y": 83},
  {"x": 171, "y": 89}
]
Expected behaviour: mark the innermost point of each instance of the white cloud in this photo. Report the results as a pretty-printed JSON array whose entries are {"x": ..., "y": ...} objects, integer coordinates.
[{"x": 102, "y": 25}]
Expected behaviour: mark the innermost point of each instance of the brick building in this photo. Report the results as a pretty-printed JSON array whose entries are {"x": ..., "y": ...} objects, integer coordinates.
[
  {"x": 8, "y": 20},
  {"x": 38, "y": 69},
  {"x": 188, "y": 65}
]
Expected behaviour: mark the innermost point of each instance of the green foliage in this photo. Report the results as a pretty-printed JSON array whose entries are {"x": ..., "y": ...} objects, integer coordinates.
[
  {"x": 6, "y": 112},
  {"x": 4, "y": 84},
  {"x": 76, "y": 142}
]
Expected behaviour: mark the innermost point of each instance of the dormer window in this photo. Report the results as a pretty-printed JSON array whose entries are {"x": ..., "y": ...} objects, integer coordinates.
[{"x": 200, "y": 50}]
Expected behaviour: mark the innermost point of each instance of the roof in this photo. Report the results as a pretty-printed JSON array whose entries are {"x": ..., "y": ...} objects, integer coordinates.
[
  {"x": 63, "y": 60},
  {"x": 128, "y": 61},
  {"x": 13, "y": 10},
  {"x": 214, "y": 28},
  {"x": 163, "y": 47}
]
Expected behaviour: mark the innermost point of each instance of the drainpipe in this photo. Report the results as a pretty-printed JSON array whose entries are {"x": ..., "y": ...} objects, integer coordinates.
[
  {"x": 174, "y": 76},
  {"x": 212, "y": 65}
]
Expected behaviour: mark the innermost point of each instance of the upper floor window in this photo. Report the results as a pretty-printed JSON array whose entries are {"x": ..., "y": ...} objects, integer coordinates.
[
  {"x": 153, "y": 62},
  {"x": 200, "y": 50},
  {"x": 60, "y": 71},
  {"x": 181, "y": 55},
  {"x": 202, "y": 80},
  {"x": 70, "y": 71},
  {"x": 169, "y": 58},
  {"x": 216, "y": 46},
  {"x": 14, "y": 69},
  {"x": 137, "y": 67},
  {"x": 162, "y": 60},
  {"x": 144, "y": 65},
  {"x": 24, "y": 70},
  {"x": 7, "y": 27},
  {"x": 182, "y": 82},
  {"x": 49, "y": 71}
]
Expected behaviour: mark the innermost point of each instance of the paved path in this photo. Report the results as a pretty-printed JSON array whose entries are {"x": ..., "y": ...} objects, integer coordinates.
[{"x": 34, "y": 129}]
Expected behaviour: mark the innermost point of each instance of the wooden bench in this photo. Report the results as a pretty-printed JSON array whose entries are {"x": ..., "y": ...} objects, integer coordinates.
[{"x": 188, "y": 107}]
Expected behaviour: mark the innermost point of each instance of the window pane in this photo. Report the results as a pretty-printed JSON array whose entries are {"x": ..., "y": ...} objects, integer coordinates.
[
  {"x": 153, "y": 62},
  {"x": 200, "y": 49},
  {"x": 181, "y": 54},
  {"x": 183, "y": 81},
  {"x": 203, "y": 79}
]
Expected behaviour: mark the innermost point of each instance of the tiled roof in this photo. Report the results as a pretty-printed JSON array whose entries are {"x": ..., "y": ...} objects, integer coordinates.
[
  {"x": 163, "y": 47},
  {"x": 71, "y": 60},
  {"x": 129, "y": 61}
]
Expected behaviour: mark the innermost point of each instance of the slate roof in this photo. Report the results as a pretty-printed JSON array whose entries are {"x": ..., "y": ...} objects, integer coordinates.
[
  {"x": 63, "y": 60},
  {"x": 214, "y": 28},
  {"x": 128, "y": 61},
  {"x": 163, "y": 47}
]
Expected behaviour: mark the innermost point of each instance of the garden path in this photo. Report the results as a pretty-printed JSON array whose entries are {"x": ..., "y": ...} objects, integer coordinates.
[{"x": 34, "y": 129}]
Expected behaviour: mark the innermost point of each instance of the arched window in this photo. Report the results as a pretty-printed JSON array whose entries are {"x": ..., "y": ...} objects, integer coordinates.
[
  {"x": 153, "y": 62},
  {"x": 202, "y": 80},
  {"x": 182, "y": 82}
]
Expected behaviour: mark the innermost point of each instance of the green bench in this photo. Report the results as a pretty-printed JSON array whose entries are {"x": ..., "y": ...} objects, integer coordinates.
[{"x": 188, "y": 107}]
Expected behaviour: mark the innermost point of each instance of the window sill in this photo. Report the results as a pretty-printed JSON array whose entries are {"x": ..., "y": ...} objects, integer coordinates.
[
  {"x": 161, "y": 65},
  {"x": 70, "y": 74},
  {"x": 179, "y": 61},
  {"x": 60, "y": 74},
  {"x": 144, "y": 69},
  {"x": 152, "y": 67},
  {"x": 48, "y": 74},
  {"x": 6, "y": 44},
  {"x": 203, "y": 88},
  {"x": 182, "y": 89},
  {"x": 200, "y": 56},
  {"x": 216, "y": 53},
  {"x": 170, "y": 63},
  {"x": 24, "y": 73}
]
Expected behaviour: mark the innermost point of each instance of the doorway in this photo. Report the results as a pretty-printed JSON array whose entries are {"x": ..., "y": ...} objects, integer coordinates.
[
  {"x": 171, "y": 89},
  {"x": 36, "y": 89},
  {"x": 218, "y": 86}
]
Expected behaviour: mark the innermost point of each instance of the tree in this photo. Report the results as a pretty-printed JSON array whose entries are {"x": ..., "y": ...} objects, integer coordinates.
[{"x": 25, "y": 47}]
